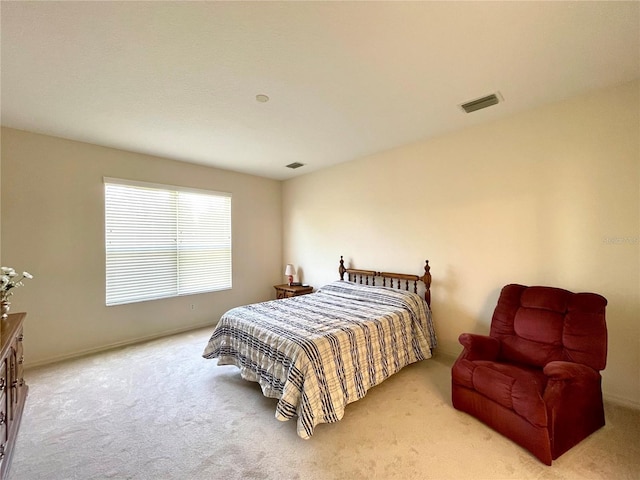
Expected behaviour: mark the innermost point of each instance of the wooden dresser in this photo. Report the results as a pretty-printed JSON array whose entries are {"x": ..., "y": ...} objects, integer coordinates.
[{"x": 13, "y": 390}]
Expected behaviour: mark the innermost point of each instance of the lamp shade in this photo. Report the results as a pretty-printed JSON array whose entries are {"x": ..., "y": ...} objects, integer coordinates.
[{"x": 290, "y": 270}]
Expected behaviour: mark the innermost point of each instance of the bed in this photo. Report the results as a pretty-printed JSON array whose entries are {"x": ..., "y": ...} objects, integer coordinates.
[{"x": 316, "y": 353}]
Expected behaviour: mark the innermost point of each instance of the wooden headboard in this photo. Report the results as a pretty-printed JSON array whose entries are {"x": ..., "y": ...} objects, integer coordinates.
[{"x": 368, "y": 277}]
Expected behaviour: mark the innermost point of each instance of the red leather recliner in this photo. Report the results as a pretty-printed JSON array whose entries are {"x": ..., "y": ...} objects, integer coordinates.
[{"x": 536, "y": 377}]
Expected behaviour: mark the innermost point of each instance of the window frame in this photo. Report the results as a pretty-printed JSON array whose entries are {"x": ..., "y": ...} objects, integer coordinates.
[{"x": 176, "y": 253}]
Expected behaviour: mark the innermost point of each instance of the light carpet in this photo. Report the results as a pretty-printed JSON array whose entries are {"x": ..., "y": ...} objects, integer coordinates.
[{"x": 158, "y": 410}]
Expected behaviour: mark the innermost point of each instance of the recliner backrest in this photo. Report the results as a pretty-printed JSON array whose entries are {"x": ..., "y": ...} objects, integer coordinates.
[{"x": 537, "y": 325}]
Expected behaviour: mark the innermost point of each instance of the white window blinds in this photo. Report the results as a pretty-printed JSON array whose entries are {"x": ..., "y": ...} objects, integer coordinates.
[{"x": 165, "y": 241}]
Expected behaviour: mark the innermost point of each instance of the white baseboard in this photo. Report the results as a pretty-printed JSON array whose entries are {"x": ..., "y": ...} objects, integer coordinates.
[
  {"x": 448, "y": 355},
  {"x": 621, "y": 401},
  {"x": 112, "y": 346}
]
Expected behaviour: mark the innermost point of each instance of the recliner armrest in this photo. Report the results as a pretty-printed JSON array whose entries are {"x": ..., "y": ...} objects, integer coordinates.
[
  {"x": 569, "y": 371},
  {"x": 479, "y": 347}
]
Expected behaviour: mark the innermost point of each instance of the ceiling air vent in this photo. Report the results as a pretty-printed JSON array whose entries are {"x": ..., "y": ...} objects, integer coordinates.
[
  {"x": 481, "y": 103},
  {"x": 295, "y": 165}
]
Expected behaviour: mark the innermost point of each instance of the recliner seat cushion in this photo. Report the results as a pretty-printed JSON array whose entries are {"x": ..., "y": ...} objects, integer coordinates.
[{"x": 517, "y": 388}]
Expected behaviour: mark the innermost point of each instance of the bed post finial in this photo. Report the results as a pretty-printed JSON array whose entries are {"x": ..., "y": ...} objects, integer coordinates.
[
  {"x": 426, "y": 278},
  {"x": 341, "y": 269}
]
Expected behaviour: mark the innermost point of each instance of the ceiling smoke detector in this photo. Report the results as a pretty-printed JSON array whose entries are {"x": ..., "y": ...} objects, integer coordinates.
[
  {"x": 481, "y": 103},
  {"x": 295, "y": 165}
]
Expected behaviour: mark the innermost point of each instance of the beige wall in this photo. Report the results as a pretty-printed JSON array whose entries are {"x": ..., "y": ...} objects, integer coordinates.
[
  {"x": 549, "y": 197},
  {"x": 53, "y": 227}
]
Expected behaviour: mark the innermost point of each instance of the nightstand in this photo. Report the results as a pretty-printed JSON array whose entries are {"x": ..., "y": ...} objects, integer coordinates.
[{"x": 285, "y": 291}]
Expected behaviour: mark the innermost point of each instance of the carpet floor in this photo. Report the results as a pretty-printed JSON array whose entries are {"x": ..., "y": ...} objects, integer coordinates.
[{"x": 160, "y": 411}]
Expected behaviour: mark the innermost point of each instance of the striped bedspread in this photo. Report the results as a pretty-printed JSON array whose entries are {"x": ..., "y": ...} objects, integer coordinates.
[{"x": 316, "y": 353}]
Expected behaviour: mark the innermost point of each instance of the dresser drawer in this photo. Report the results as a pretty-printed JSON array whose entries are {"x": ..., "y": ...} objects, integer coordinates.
[
  {"x": 4, "y": 431},
  {"x": 19, "y": 359},
  {"x": 4, "y": 407}
]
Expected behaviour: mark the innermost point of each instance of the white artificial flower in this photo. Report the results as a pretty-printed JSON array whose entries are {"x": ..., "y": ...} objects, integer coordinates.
[
  {"x": 8, "y": 282},
  {"x": 9, "y": 271}
]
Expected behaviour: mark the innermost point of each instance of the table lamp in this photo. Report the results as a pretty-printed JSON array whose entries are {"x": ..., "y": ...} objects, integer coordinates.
[{"x": 290, "y": 271}]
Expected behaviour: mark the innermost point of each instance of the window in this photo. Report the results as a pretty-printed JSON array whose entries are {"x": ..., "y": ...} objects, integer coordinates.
[{"x": 165, "y": 241}]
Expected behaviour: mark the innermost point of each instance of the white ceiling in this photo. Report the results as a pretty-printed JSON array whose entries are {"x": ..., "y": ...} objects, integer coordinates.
[{"x": 345, "y": 79}]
